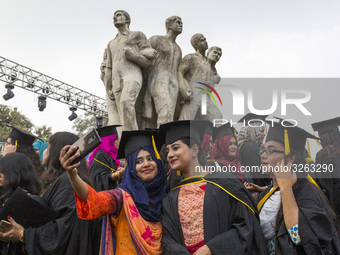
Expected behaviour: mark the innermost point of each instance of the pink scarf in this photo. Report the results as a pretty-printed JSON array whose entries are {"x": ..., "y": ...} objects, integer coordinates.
[
  {"x": 108, "y": 147},
  {"x": 220, "y": 153}
]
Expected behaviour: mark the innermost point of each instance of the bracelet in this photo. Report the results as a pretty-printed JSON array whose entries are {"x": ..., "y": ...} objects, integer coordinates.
[{"x": 21, "y": 236}]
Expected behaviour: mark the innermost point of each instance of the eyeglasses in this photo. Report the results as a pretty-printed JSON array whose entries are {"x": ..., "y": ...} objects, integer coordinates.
[{"x": 270, "y": 151}]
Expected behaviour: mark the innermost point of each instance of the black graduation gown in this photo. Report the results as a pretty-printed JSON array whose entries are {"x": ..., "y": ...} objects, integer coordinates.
[
  {"x": 100, "y": 173},
  {"x": 316, "y": 227},
  {"x": 173, "y": 180},
  {"x": 330, "y": 182},
  {"x": 249, "y": 155},
  {"x": 68, "y": 235},
  {"x": 230, "y": 227}
]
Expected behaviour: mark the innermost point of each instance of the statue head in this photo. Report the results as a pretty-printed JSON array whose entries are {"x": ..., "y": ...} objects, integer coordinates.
[
  {"x": 175, "y": 24},
  {"x": 121, "y": 17},
  {"x": 198, "y": 41},
  {"x": 214, "y": 54}
]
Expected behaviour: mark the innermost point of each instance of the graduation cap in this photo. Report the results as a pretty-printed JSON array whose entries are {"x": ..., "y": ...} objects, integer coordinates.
[
  {"x": 133, "y": 140},
  {"x": 176, "y": 130},
  {"x": 28, "y": 211},
  {"x": 108, "y": 130},
  {"x": 326, "y": 126},
  {"x": 21, "y": 136},
  {"x": 223, "y": 130},
  {"x": 252, "y": 118},
  {"x": 289, "y": 136}
]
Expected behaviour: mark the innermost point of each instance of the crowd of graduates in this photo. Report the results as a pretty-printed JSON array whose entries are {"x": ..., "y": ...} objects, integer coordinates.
[{"x": 179, "y": 189}]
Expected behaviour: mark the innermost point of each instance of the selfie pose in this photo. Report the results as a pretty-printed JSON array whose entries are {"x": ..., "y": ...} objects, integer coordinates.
[{"x": 133, "y": 211}]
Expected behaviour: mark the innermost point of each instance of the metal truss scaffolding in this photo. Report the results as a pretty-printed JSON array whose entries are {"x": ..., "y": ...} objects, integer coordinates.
[{"x": 46, "y": 86}]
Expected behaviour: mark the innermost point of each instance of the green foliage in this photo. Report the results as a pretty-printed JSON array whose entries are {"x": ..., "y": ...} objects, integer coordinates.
[
  {"x": 85, "y": 123},
  {"x": 11, "y": 116},
  {"x": 43, "y": 132}
]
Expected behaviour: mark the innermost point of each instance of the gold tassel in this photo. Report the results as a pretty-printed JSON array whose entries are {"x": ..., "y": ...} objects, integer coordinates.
[
  {"x": 265, "y": 127},
  {"x": 16, "y": 143},
  {"x": 155, "y": 148},
  {"x": 308, "y": 159},
  {"x": 178, "y": 173},
  {"x": 235, "y": 134},
  {"x": 311, "y": 180},
  {"x": 308, "y": 147},
  {"x": 287, "y": 147}
]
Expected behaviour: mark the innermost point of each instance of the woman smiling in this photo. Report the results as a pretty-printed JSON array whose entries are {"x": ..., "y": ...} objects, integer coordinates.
[
  {"x": 205, "y": 214},
  {"x": 133, "y": 211}
]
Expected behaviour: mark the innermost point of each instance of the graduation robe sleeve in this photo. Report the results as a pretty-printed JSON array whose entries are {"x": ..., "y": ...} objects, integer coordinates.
[
  {"x": 68, "y": 235},
  {"x": 316, "y": 227},
  {"x": 172, "y": 239},
  {"x": 100, "y": 173}
]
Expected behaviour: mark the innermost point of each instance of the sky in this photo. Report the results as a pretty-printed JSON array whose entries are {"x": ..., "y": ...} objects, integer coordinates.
[{"x": 263, "y": 38}]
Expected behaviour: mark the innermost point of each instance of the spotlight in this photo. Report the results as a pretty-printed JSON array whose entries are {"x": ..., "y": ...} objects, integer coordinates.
[
  {"x": 31, "y": 82},
  {"x": 73, "y": 114},
  {"x": 9, "y": 93},
  {"x": 99, "y": 121},
  {"x": 78, "y": 101},
  {"x": 41, "y": 103}
]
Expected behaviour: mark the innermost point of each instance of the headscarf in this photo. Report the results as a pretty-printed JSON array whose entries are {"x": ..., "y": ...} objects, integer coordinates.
[
  {"x": 252, "y": 134},
  {"x": 108, "y": 147},
  {"x": 41, "y": 147},
  {"x": 220, "y": 153},
  {"x": 146, "y": 195}
]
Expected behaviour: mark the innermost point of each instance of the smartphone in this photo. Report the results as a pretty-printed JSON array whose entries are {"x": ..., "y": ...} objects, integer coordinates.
[
  {"x": 5, "y": 226},
  {"x": 86, "y": 144}
]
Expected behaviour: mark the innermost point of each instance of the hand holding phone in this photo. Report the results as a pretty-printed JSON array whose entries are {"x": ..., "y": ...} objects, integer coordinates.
[{"x": 5, "y": 226}]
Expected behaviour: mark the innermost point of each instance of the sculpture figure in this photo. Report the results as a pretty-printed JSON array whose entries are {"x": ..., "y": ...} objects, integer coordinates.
[
  {"x": 163, "y": 78},
  {"x": 121, "y": 71}
]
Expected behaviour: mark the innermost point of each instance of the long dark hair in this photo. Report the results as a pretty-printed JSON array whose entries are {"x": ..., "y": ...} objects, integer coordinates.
[
  {"x": 29, "y": 151},
  {"x": 19, "y": 172},
  {"x": 202, "y": 158},
  {"x": 54, "y": 167}
]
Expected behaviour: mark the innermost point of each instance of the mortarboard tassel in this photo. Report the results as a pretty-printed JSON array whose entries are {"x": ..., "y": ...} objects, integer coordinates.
[
  {"x": 16, "y": 143},
  {"x": 235, "y": 134},
  {"x": 287, "y": 147},
  {"x": 308, "y": 147},
  {"x": 265, "y": 127},
  {"x": 155, "y": 148}
]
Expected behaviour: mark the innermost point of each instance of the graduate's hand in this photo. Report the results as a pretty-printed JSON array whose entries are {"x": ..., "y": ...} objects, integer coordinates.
[
  {"x": 204, "y": 250},
  {"x": 9, "y": 148},
  {"x": 66, "y": 160},
  {"x": 3, "y": 239},
  {"x": 252, "y": 187},
  {"x": 285, "y": 177},
  {"x": 14, "y": 234}
]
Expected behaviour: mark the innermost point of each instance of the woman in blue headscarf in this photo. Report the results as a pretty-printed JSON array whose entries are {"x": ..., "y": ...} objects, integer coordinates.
[
  {"x": 133, "y": 211},
  {"x": 40, "y": 146}
]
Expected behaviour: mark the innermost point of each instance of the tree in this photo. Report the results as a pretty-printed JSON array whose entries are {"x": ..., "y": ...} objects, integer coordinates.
[
  {"x": 9, "y": 116},
  {"x": 85, "y": 123},
  {"x": 43, "y": 132}
]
